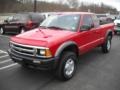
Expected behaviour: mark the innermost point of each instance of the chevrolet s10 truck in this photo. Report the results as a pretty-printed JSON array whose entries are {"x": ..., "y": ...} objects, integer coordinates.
[{"x": 59, "y": 41}]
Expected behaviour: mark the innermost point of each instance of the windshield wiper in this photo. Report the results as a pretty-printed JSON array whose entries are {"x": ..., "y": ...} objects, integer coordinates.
[
  {"x": 44, "y": 27},
  {"x": 56, "y": 27}
]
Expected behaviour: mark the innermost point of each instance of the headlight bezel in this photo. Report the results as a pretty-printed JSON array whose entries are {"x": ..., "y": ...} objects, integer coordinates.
[{"x": 45, "y": 53}]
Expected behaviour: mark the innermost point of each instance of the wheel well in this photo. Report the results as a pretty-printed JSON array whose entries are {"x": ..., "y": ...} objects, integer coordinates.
[{"x": 72, "y": 48}]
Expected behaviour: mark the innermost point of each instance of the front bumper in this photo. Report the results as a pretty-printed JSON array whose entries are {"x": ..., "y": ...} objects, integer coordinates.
[{"x": 41, "y": 63}]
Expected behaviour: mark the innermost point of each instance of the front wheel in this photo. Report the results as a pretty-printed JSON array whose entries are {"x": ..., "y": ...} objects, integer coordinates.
[
  {"x": 67, "y": 66},
  {"x": 107, "y": 45}
]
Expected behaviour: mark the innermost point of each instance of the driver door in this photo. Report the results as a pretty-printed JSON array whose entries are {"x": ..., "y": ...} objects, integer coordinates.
[{"x": 86, "y": 36}]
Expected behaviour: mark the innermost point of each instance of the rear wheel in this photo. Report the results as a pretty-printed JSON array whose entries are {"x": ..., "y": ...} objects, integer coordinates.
[
  {"x": 107, "y": 45},
  {"x": 67, "y": 66},
  {"x": 2, "y": 31}
]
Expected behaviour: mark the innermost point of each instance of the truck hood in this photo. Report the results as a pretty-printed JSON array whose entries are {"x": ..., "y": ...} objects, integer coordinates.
[{"x": 42, "y": 37}]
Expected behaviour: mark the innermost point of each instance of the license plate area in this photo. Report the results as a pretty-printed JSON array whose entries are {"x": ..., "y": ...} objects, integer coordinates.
[
  {"x": 37, "y": 61},
  {"x": 19, "y": 59}
]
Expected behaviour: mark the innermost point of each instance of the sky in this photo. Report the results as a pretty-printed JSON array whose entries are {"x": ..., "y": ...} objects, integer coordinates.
[{"x": 114, "y": 3}]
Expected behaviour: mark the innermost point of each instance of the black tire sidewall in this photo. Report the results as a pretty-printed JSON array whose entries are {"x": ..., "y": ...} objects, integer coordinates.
[
  {"x": 74, "y": 68},
  {"x": 65, "y": 57},
  {"x": 105, "y": 45},
  {"x": 108, "y": 40}
]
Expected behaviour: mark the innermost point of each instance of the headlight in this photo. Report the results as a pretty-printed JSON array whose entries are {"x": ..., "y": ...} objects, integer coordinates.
[{"x": 44, "y": 53}]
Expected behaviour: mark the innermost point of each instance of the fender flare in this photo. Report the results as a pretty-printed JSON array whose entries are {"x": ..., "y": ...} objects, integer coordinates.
[
  {"x": 63, "y": 46},
  {"x": 109, "y": 31}
]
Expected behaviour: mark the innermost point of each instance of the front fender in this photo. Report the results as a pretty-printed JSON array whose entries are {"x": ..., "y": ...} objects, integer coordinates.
[
  {"x": 108, "y": 32},
  {"x": 63, "y": 46}
]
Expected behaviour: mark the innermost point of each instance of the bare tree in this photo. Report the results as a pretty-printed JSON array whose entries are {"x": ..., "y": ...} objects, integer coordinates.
[
  {"x": 73, "y": 3},
  {"x": 27, "y": 6}
]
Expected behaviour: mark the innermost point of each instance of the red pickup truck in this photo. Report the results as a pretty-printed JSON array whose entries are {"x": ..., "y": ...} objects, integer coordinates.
[{"x": 58, "y": 42}]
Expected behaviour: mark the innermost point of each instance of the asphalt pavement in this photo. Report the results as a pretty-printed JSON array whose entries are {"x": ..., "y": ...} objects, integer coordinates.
[{"x": 96, "y": 71}]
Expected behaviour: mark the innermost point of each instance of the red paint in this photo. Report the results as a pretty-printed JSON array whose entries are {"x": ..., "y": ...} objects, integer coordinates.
[{"x": 85, "y": 40}]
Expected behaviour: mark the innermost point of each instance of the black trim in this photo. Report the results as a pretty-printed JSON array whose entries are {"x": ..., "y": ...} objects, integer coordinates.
[
  {"x": 63, "y": 46},
  {"x": 109, "y": 31},
  {"x": 41, "y": 63}
]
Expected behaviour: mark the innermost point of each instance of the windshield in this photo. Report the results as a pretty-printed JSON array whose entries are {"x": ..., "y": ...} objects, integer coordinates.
[{"x": 66, "y": 22}]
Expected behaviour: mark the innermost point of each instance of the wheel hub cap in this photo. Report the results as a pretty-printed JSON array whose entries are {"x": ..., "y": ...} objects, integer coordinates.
[
  {"x": 69, "y": 67},
  {"x": 108, "y": 45}
]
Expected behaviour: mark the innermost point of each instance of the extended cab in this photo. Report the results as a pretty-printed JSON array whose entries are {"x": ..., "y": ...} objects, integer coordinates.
[{"x": 59, "y": 40}]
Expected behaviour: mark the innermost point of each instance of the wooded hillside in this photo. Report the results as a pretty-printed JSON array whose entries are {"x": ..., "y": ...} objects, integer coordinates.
[{"x": 14, "y": 6}]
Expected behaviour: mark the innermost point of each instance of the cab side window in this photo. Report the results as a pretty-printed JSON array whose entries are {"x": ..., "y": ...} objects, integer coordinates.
[
  {"x": 87, "y": 23},
  {"x": 87, "y": 20}
]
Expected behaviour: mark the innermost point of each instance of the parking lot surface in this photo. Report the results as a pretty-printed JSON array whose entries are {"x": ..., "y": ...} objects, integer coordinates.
[{"x": 96, "y": 71}]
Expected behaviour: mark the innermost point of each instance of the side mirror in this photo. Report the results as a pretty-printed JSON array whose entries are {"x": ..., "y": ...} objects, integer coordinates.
[{"x": 86, "y": 27}]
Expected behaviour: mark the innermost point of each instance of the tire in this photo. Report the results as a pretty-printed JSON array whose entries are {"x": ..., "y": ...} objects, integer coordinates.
[
  {"x": 106, "y": 47},
  {"x": 67, "y": 66},
  {"x": 2, "y": 31},
  {"x": 22, "y": 30}
]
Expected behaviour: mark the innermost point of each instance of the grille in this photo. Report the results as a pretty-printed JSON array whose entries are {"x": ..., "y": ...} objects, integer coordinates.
[{"x": 21, "y": 49}]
